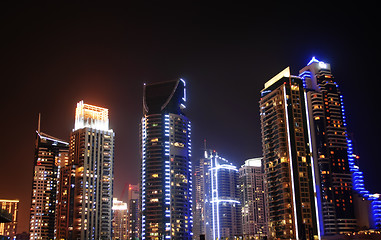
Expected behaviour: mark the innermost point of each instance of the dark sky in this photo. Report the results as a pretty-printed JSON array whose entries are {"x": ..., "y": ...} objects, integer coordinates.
[{"x": 53, "y": 56}]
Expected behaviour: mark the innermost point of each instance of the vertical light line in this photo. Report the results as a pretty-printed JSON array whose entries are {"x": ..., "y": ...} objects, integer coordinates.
[
  {"x": 290, "y": 155},
  {"x": 316, "y": 193}
]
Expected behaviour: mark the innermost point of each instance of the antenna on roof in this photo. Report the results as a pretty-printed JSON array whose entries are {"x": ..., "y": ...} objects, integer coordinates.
[{"x": 39, "y": 123}]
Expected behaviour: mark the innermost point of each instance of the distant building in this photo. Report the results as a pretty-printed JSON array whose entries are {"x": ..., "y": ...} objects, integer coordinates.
[
  {"x": 134, "y": 213},
  {"x": 329, "y": 148},
  {"x": 224, "y": 199},
  {"x": 50, "y": 154},
  {"x": 8, "y": 213},
  {"x": 85, "y": 205},
  {"x": 217, "y": 207},
  {"x": 253, "y": 199},
  {"x": 119, "y": 222},
  {"x": 286, "y": 158},
  {"x": 201, "y": 212},
  {"x": 166, "y": 167}
]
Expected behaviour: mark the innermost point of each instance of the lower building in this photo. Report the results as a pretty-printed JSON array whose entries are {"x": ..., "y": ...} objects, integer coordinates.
[
  {"x": 254, "y": 214},
  {"x": 119, "y": 221},
  {"x": 9, "y": 210},
  {"x": 224, "y": 199},
  {"x": 133, "y": 218}
]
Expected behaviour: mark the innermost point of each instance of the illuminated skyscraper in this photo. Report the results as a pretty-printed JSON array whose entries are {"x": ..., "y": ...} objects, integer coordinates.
[
  {"x": 201, "y": 209},
  {"x": 9, "y": 210},
  {"x": 329, "y": 148},
  {"x": 119, "y": 222},
  {"x": 85, "y": 206},
  {"x": 286, "y": 159},
  {"x": 253, "y": 200},
  {"x": 224, "y": 199},
  {"x": 166, "y": 166},
  {"x": 50, "y": 154},
  {"x": 134, "y": 213}
]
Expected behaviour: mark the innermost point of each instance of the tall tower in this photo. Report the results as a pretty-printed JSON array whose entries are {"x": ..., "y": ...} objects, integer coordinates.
[
  {"x": 286, "y": 159},
  {"x": 50, "y": 154},
  {"x": 329, "y": 148},
  {"x": 166, "y": 166},
  {"x": 85, "y": 209},
  {"x": 253, "y": 200}
]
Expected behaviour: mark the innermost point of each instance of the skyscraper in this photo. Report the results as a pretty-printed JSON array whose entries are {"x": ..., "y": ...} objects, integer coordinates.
[
  {"x": 201, "y": 203},
  {"x": 166, "y": 166},
  {"x": 50, "y": 154},
  {"x": 119, "y": 222},
  {"x": 224, "y": 199},
  {"x": 253, "y": 200},
  {"x": 286, "y": 159},
  {"x": 329, "y": 148},
  {"x": 134, "y": 222},
  {"x": 8, "y": 209},
  {"x": 85, "y": 209}
]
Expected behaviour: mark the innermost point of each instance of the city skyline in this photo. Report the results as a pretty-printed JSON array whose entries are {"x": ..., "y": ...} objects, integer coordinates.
[{"x": 210, "y": 62}]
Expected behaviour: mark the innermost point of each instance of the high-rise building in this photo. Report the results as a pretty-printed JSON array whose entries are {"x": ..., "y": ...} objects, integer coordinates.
[
  {"x": 119, "y": 222},
  {"x": 9, "y": 210},
  {"x": 85, "y": 207},
  {"x": 134, "y": 222},
  {"x": 201, "y": 203},
  {"x": 329, "y": 148},
  {"x": 50, "y": 154},
  {"x": 286, "y": 158},
  {"x": 224, "y": 199},
  {"x": 166, "y": 167},
  {"x": 253, "y": 200}
]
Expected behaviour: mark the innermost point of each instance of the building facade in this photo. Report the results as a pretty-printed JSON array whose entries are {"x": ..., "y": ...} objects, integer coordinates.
[
  {"x": 85, "y": 210},
  {"x": 224, "y": 199},
  {"x": 201, "y": 210},
  {"x": 50, "y": 154},
  {"x": 9, "y": 210},
  {"x": 329, "y": 148},
  {"x": 119, "y": 222},
  {"x": 134, "y": 222},
  {"x": 166, "y": 184},
  {"x": 286, "y": 158},
  {"x": 253, "y": 199}
]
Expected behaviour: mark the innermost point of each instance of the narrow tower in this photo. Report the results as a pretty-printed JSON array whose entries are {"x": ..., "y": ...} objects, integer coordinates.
[
  {"x": 166, "y": 167},
  {"x": 329, "y": 148},
  {"x": 50, "y": 154}
]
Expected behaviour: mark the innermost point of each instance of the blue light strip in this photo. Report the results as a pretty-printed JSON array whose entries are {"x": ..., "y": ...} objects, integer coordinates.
[
  {"x": 144, "y": 136},
  {"x": 167, "y": 178},
  {"x": 358, "y": 178}
]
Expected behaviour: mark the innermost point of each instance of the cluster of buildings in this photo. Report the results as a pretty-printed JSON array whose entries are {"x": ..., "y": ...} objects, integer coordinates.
[{"x": 307, "y": 184}]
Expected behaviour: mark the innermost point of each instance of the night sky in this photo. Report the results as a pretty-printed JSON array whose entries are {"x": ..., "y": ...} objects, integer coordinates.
[{"x": 53, "y": 56}]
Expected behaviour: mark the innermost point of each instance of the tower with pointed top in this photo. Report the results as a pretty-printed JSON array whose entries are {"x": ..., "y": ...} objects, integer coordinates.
[
  {"x": 166, "y": 180},
  {"x": 51, "y": 154},
  {"x": 329, "y": 147}
]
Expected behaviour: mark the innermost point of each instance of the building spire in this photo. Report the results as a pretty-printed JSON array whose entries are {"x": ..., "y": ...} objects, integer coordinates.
[{"x": 39, "y": 123}]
